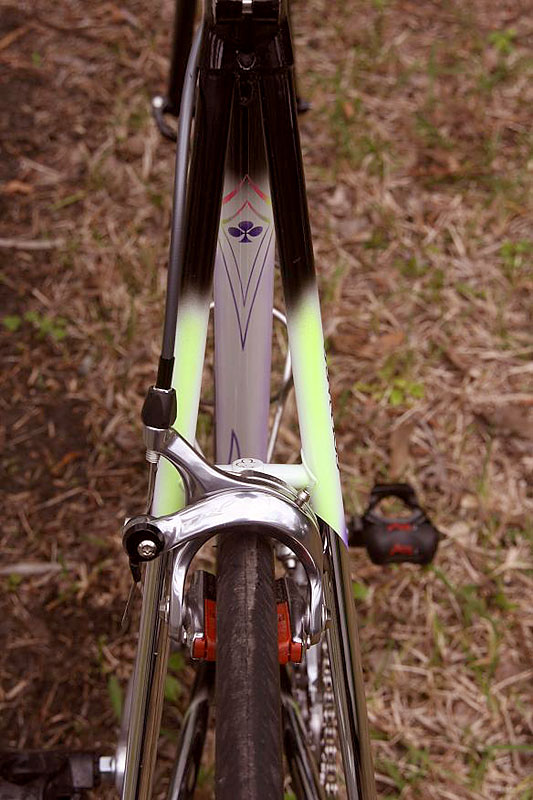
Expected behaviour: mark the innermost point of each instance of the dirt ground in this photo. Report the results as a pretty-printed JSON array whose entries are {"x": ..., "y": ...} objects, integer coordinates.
[{"x": 419, "y": 160}]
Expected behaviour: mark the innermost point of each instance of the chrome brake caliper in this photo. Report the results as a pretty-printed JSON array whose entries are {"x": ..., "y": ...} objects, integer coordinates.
[{"x": 220, "y": 503}]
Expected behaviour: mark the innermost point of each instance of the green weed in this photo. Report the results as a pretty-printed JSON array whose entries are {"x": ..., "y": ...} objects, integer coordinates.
[
  {"x": 438, "y": 631},
  {"x": 499, "y": 599},
  {"x": 468, "y": 291},
  {"x": 12, "y": 322},
  {"x": 411, "y": 267},
  {"x": 115, "y": 693},
  {"x": 68, "y": 201},
  {"x": 516, "y": 257},
  {"x": 503, "y": 41},
  {"x": 139, "y": 118},
  {"x": 176, "y": 663},
  {"x": 379, "y": 240},
  {"x": 329, "y": 287},
  {"x": 355, "y": 141},
  {"x": 390, "y": 768},
  {"x": 173, "y": 686},
  {"x": 504, "y": 44},
  {"x": 204, "y": 427},
  {"x": 483, "y": 483},
  {"x": 170, "y": 734},
  {"x": 156, "y": 198},
  {"x": 403, "y": 391},
  {"x": 360, "y": 591},
  {"x": 96, "y": 178},
  {"x": 13, "y": 582},
  {"x": 148, "y": 259},
  {"x": 54, "y": 327},
  {"x": 172, "y": 689},
  {"x": 436, "y": 280},
  {"x": 398, "y": 391},
  {"x": 478, "y": 764},
  {"x": 398, "y": 385},
  {"x": 206, "y": 775},
  {"x": 430, "y": 134},
  {"x": 342, "y": 406}
]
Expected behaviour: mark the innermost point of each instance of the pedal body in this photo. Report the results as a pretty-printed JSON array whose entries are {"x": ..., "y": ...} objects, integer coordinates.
[
  {"x": 47, "y": 774},
  {"x": 391, "y": 540}
]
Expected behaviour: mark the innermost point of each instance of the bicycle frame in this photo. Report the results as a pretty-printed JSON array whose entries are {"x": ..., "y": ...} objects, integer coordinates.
[{"x": 236, "y": 89}]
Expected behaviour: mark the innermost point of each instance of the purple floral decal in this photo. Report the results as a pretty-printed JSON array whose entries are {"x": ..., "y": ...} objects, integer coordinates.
[{"x": 245, "y": 229}]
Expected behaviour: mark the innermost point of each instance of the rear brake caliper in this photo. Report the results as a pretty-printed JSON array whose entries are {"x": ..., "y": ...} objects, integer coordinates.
[{"x": 200, "y": 623}]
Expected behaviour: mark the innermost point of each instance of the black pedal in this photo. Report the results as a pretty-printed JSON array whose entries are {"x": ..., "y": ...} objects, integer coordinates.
[
  {"x": 47, "y": 775},
  {"x": 392, "y": 540}
]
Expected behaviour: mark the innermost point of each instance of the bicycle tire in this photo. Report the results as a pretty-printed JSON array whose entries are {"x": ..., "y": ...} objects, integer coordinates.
[{"x": 248, "y": 750}]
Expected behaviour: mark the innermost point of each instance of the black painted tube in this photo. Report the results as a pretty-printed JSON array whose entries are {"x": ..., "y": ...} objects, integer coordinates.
[
  {"x": 181, "y": 46},
  {"x": 177, "y": 238}
]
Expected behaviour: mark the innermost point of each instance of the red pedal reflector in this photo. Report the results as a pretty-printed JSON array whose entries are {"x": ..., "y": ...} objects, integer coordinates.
[{"x": 401, "y": 550}]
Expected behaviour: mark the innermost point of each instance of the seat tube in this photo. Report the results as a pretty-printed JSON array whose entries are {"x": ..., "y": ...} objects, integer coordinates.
[
  {"x": 306, "y": 343},
  {"x": 244, "y": 281}
]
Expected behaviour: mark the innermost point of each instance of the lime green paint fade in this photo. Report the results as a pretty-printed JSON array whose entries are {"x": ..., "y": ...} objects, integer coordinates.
[
  {"x": 193, "y": 318},
  {"x": 169, "y": 494},
  {"x": 306, "y": 341}
]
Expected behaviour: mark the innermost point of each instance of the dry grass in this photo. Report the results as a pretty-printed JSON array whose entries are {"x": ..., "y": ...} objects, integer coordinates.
[{"x": 419, "y": 159}]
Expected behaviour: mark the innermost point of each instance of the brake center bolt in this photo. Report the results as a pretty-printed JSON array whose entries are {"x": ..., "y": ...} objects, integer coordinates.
[
  {"x": 107, "y": 768},
  {"x": 147, "y": 548},
  {"x": 302, "y": 497}
]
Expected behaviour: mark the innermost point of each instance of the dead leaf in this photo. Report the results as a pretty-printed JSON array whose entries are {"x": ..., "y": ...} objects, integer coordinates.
[
  {"x": 517, "y": 419},
  {"x": 399, "y": 447},
  {"x": 384, "y": 280},
  {"x": 348, "y": 109},
  {"x": 349, "y": 340},
  {"x": 522, "y": 399},
  {"x": 390, "y": 341},
  {"x": 353, "y": 229},
  {"x": 12, "y": 36},
  {"x": 17, "y": 187},
  {"x": 457, "y": 359},
  {"x": 122, "y": 15},
  {"x": 339, "y": 201},
  {"x": 384, "y": 345},
  {"x": 67, "y": 458}
]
